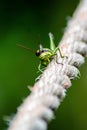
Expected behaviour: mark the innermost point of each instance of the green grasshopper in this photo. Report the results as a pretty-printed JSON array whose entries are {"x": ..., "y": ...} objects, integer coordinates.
[{"x": 45, "y": 54}]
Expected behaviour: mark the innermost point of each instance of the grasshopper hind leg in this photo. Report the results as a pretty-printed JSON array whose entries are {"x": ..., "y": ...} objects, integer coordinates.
[
  {"x": 61, "y": 56},
  {"x": 58, "y": 49},
  {"x": 60, "y": 53}
]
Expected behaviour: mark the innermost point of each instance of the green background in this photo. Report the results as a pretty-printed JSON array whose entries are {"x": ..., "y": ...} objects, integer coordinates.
[{"x": 20, "y": 23}]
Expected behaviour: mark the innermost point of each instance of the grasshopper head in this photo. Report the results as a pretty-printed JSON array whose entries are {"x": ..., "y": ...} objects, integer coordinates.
[{"x": 40, "y": 50}]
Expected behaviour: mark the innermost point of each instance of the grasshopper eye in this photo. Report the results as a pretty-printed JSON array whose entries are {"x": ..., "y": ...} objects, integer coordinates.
[
  {"x": 42, "y": 51},
  {"x": 37, "y": 53}
]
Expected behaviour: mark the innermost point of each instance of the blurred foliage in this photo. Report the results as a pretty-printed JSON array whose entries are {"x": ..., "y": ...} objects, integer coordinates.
[{"x": 22, "y": 22}]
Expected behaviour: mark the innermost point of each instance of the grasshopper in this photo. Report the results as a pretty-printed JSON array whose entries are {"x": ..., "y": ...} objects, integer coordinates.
[{"x": 45, "y": 55}]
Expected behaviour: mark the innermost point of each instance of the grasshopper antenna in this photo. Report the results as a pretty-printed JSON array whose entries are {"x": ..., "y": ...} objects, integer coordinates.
[
  {"x": 29, "y": 49},
  {"x": 39, "y": 44}
]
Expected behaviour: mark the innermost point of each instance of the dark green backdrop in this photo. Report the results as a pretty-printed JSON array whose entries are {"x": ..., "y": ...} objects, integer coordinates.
[{"x": 21, "y": 22}]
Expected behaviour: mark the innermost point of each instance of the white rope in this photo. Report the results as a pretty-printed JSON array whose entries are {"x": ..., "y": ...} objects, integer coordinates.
[{"x": 46, "y": 95}]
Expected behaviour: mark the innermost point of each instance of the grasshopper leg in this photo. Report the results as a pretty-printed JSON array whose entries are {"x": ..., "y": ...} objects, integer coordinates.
[
  {"x": 58, "y": 49},
  {"x": 39, "y": 68}
]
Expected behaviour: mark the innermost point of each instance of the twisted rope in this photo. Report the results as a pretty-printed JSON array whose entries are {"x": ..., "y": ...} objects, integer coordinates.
[{"x": 46, "y": 95}]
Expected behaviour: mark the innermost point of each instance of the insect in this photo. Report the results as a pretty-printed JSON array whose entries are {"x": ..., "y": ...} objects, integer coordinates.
[{"x": 45, "y": 54}]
